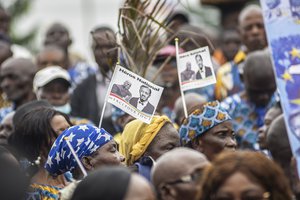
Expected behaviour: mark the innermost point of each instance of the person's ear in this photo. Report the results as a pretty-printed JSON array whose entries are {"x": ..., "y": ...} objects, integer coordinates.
[
  {"x": 86, "y": 161},
  {"x": 167, "y": 192}
]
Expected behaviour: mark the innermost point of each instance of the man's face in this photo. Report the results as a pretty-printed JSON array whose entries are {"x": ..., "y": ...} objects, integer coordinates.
[
  {"x": 144, "y": 93},
  {"x": 199, "y": 61},
  {"x": 231, "y": 44},
  {"x": 262, "y": 131},
  {"x": 51, "y": 58},
  {"x": 127, "y": 85},
  {"x": 58, "y": 35},
  {"x": 56, "y": 92},
  {"x": 15, "y": 83},
  {"x": 188, "y": 66},
  {"x": 253, "y": 32},
  {"x": 259, "y": 91},
  {"x": 104, "y": 49},
  {"x": 194, "y": 168}
]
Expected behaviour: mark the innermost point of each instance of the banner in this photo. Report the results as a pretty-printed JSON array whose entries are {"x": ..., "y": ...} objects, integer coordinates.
[
  {"x": 133, "y": 94},
  {"x": 195, "y": 69},
  {"x": 282, "y": 22}
]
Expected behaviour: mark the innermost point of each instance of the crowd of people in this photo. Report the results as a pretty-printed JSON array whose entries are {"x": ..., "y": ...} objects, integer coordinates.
[{"x": 233, "y": 145}]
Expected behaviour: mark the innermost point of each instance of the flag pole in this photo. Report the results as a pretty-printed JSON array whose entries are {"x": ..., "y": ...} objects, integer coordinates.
[
  {"x": 76, "y": 157},
  {"x": 106, "y": 95},
  {"x": 179, "y": 78}
]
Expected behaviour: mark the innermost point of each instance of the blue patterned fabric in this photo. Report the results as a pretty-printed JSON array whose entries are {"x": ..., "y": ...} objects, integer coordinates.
[
  {"x": 79, "y": 72},
  {"x": 207, "y": 92},
  {"x": 246, "y": 119},
  {"x": 201, "y": 120},
  {"x": 85, "y": 140},
  {"x": 5, "y": 111}
]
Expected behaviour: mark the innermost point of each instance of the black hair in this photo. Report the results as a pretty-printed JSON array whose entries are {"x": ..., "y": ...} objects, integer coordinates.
[
  {"x": 102, "y": 29},
  {"x": 102, "y": 184},
  {"x": 198, "y": 55},
  {"x": 144, "y": 86},
  {"x": 26, "y": 108},
  {"x": 13, "y": 182},
  {"x": 33, "y": 135},
  {"x": 178, "y": 16}
]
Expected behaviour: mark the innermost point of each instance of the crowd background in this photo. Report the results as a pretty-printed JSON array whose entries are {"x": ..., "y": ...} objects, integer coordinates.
[{"x": 232, "y": 145}]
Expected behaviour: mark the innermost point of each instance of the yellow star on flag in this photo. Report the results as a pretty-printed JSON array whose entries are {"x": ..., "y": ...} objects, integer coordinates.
[
  {"x": 295, "y": 53},
  {"x": 296, "y": 101},
  {"x": 287, "y": 76}
]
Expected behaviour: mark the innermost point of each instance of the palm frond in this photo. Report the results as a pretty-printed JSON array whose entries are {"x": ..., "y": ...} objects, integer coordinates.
[{"x": 143, "y": 32}]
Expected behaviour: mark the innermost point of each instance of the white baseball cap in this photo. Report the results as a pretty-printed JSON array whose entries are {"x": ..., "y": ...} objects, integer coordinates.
[{"x": 48, "y": 74}]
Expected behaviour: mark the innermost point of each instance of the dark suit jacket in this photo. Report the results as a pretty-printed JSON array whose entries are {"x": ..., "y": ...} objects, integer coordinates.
[
  {"x": 207, "y": 73},
  {"x": 149, "y": 108},
  {"x": 84, "y": 103},
  {"x": 120, "y": 91}
]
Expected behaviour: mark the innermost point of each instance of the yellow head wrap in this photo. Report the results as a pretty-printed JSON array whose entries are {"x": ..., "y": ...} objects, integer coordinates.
[{"x": 137, "y": 136}]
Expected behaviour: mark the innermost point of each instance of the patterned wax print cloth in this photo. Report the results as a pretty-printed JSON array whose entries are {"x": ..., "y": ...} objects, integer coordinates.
[
  {"x": 201, "y": 120},
  {"x": 246, "y": 119}
]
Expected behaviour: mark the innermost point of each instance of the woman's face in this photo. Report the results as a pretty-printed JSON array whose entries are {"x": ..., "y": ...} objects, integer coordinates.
[
  {"x": 240, "y": 187},
  {"x": 107, "y": 155},
  {"x": 217, "y": 139},
  {"x": 59, "y": 124}
]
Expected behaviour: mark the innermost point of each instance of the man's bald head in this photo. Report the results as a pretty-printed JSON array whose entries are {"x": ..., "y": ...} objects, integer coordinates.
[
  {"x": 17, "y": 80},
  {"x": 278, "y": 141},
  {"x": 172, "y": 166},
  {"x": 24, "y": 65},
  {"x": 259, "y": 77}
]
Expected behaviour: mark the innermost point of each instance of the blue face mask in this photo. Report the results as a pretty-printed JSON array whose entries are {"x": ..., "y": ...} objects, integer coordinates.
[{"x": 64, "y": 109}]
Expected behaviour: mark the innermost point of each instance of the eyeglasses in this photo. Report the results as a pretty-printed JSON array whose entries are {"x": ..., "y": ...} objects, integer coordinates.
[
  {"x": 193, "y": 177},
  {"x": 264, "y": 196}
]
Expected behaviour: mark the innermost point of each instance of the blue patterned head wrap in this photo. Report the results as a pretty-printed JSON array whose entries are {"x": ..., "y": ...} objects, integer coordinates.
[
  {"x": 201, "y": 120},
  {"x": 85, "y": 140}
]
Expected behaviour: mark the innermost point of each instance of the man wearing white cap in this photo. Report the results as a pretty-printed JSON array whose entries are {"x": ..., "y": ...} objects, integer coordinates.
[{"x": 53, "y": 84}]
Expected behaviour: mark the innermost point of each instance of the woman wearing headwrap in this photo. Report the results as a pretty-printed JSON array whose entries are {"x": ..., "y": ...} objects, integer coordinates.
[
  {"x": 102, "y": 184},
  {"x": 208, "y": 130},
  {"x": 93, "y": 146},
  {"x": 143, "y": 143}
]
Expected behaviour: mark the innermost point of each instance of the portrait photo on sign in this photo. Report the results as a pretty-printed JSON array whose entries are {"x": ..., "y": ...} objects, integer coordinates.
[
  {"x": 134, "y": 94},
  {"x": 122, "y": 90},
  {"x": 195, "y": 69}
]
